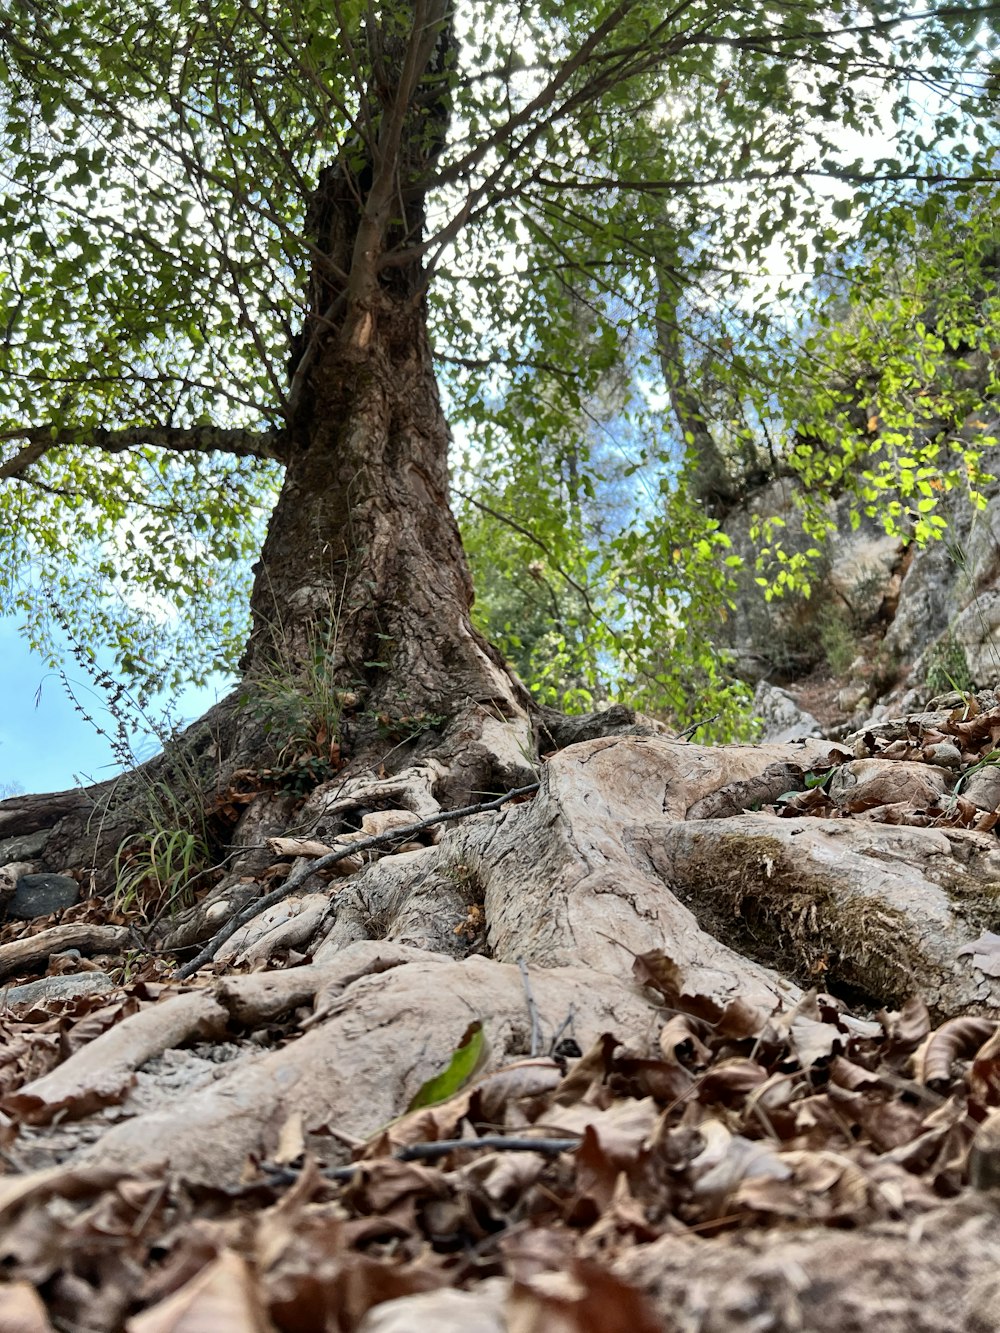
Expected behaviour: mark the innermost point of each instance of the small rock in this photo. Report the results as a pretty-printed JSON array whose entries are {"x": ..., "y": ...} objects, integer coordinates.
[
  {"x": 24, "y": 846},
  {"x": 983, "y": 788},
  {"x": 951, "y": 699},
  {"x": 945, "y": 754},
  {"x": 38, "y": 895},
  {"x": 863, "y": 784},
  {"x": 12, "y": 871},
  {"x": 853, "y": 698},
  {"x": 57, "y": 988}
]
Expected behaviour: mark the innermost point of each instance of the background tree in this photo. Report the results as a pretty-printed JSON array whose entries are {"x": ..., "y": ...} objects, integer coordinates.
[{"x": 230, "y": 230}]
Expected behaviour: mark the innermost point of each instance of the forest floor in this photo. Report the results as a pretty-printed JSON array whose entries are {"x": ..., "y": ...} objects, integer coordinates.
[{"x": 612, "y": 1056}]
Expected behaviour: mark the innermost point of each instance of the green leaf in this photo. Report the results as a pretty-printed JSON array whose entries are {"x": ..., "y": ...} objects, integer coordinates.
[{"x": 468, "y": 1057}]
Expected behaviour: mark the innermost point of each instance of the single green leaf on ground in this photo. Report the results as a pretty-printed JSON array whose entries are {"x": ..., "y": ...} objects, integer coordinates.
[{"x": 468, "y": 1058}]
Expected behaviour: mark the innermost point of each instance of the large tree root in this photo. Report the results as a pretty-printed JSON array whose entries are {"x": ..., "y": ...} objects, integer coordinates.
[{"x": 628, "y": 907}]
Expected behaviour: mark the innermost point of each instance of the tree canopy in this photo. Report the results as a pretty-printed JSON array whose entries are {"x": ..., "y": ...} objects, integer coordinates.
[{"x": 605, "y": 186}]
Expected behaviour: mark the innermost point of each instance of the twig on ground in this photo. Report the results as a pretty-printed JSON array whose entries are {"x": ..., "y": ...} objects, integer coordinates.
[
  {"x": 565, "y": 1025},
  {"x": 536, "y": 1027},
  {"x": 688, "y": 732},
  {"x": 427, "y": 1152},
  {"x": 324, "y": 862}
]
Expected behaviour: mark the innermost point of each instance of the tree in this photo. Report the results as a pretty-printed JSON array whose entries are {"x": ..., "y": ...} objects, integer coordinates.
[
  {"x": 232, "y": 230},
  {"x": 229, "y": 227},
  {"x": 907, "y": 356}
]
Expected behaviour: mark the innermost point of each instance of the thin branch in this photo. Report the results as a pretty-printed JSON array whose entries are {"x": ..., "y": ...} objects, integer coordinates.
[
  {"x": 535, "y": 541},
  {"x": 601, "y": 184},
  {"x": 178, "y": 439},
  {"x": 536, "y": 1027},
  {"x": 423, "y": 1152},
  {"x": 495, "y": 187},
  {"x": 19, "y": 464},
  {"x": 403, "y": 834},
  {"x": 543, "y": 99},
  {"x": 428, "y": 1152},
  {"x": 329, "y": 319}
]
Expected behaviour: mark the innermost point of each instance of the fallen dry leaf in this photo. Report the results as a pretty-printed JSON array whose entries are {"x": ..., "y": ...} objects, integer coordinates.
[{"x": 223, "y": 1298}]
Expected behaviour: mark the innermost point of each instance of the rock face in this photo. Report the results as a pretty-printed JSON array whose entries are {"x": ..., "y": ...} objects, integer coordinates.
[
  {"x": 781, "y": 640},
  {"x": 781, "y": 717},
  {"x": 885, "y": 616}
]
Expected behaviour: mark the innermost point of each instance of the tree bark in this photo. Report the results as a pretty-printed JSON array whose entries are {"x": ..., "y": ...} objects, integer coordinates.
[
  {"x": 363, "y": 559},
  {"x": 710, "y": 477},
  {"x": 362, "y": 554}
]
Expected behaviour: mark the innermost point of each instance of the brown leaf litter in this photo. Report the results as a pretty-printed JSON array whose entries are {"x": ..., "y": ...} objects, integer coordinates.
[
  {"x": 721, "y": 1124},
  {"x": 679, "y": 1155}
]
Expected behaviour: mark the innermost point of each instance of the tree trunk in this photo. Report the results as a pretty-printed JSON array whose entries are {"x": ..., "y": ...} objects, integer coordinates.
[
  {"x": 361, "y": 647},
  {"x": 363, "y": 565},
  {"x": 710, "y": 480},
  {"x": 363, "y": 561}
]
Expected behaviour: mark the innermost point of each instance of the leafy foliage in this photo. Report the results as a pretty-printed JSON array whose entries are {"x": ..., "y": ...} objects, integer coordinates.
[
  {"x": 908, "y": 368},
  {"x": 159, "y": 872},
  {"x": 299, "y": 708},
  {"x": 468, "y": 1056},
  {"x": 616, "y": 181}
]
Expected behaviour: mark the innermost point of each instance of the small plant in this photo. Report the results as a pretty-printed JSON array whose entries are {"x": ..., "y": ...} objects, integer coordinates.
[
  {"x": 301, "y": 774},
  {"x": 296, "y": 700},
  {"x": 406, "y": 726},
  {"x": 132, "y": 963},
  {"x": 838, "y": 639},
  {"x": 947, "y": 667},
  {"x": 156, "y": 873},
  {"x": 164, "y": 795}
]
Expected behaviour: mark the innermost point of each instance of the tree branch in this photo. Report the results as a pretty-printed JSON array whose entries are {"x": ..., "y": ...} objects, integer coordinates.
[
  {"x": 178, "y": 439},
  {"x": 546, "y": 550},
  {"x": 602, "y": 184}
]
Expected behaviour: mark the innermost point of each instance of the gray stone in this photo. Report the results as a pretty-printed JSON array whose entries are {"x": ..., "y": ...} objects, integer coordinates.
[
  {"x": 942, "y": 596},
  {"x": 983, "y": 788},
  {"x": 23, "y": 847},
  {"x": 38, "y": 895},
  {"x": 853, "y": 697},
  {"x": 951, "y": 588},
  {"x": 861, "y": 565},
  {"x": 781, "y": 638},
  {"x": 783, "y": 719},
  {"x": 67, "y": 987}
]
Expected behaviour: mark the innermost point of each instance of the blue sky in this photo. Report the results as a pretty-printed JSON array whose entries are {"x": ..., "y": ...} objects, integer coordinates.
[{"x": 44, "y": 743}]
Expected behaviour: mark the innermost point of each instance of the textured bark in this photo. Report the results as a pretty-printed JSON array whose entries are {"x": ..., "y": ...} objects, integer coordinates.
[
  {"x": 710, "y": 477},
  {"x": 363, "y": 550},
  {"x": 36, "y": 950},
  {"x": 363, "y": 554},
  {"x": 83, "y": 829}
]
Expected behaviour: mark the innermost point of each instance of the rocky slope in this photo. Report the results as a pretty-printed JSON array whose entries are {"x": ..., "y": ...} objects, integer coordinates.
[{"x": 889, "y": 624}]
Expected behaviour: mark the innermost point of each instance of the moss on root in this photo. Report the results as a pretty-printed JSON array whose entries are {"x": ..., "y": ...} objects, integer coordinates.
[{"x": 747, "y": 892}]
